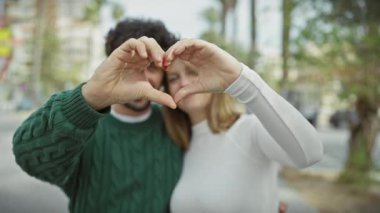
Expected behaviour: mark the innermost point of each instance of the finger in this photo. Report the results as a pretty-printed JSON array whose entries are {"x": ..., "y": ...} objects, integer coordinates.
[
  {"x": 190, "y": 45},
  {"x": 165, "y": 63},
  {"x": 185, "y": 47},
  {"x": 168, "y": 56},
  {"x": 131, "y": 46},
  {"x": 154, "y": 50},
  {"x": 170, "y": 52},
  {"x": 190, "y": 89},
  {"x": 160, "y": 97}
]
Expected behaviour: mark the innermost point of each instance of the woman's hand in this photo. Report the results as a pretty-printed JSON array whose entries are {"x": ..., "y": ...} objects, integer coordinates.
[
  {"x": 121, "y": 78},
  {"x": 217, "y": 69}
]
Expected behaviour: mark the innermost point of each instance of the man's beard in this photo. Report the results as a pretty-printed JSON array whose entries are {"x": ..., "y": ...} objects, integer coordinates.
[{"x": 138, "y": 106}]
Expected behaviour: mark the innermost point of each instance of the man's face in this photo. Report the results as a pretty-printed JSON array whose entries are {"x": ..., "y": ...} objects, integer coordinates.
[{"x": 154, "y": 76}]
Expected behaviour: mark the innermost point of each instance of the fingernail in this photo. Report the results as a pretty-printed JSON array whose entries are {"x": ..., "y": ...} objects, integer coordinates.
[{"x": 164, "y": 63}]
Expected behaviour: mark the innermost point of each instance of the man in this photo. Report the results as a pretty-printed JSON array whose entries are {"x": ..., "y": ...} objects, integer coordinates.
[{"x": 122, "y": 161}]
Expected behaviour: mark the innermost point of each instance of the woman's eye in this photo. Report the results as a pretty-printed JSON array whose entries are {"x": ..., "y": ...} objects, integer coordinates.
[
  {"x": 192, "y": 73},
  {"x": 172, "y": 79}
]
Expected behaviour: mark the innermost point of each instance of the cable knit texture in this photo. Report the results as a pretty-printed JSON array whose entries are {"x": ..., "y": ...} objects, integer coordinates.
[{"x": 102, "y": 164}]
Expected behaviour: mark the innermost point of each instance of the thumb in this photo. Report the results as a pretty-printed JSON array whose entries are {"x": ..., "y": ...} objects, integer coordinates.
[
  {"x": 160, "y": 97},
  {"x": 190, "y": 89}
]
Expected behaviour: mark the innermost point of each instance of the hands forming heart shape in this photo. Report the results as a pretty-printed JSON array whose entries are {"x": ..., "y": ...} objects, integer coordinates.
[{"x": 120, "y": 78}]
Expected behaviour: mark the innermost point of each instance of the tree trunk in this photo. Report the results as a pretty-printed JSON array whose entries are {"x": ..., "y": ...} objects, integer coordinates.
[
  {"x": 253, "y": 50},
  {"x": 50, "y": 51},
  {"x": 235, "y": 23},
  {"x": 224, "y": 18},
  {"x": 287, "y": 6},
  {"x": 361, "y": 143},
  {"x": 227, "y": 5},
  {"x": 39, "y": 28}
]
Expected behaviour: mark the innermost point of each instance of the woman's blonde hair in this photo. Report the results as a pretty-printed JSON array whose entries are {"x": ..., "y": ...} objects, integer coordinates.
[{"x": 222, "y": 112}]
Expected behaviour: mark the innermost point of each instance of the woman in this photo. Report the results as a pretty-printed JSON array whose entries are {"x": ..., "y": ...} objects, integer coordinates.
[{"x": 231, "y": 160}]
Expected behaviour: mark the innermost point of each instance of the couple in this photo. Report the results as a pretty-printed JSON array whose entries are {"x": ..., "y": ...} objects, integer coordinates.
[{"x": 110, "y": 150}]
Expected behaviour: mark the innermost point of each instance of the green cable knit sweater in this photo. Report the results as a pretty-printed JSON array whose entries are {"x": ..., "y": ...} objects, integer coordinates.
[{"x": 102, "y": 164}]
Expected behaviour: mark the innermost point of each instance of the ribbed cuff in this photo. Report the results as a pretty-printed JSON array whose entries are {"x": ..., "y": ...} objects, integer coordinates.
[
  {"x": 77, "y": 111},
  {"x": 246, "y": 87}
]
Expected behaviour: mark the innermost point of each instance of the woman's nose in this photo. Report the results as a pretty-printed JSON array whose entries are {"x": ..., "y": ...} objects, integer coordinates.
[{"x": 184, "y": 81}]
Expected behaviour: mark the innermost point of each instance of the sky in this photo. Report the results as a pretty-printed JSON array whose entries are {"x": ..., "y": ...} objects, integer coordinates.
[{"x": 184, "y": 19}]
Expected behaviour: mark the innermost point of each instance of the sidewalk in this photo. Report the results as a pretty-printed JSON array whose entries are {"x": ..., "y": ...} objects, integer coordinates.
[
  {"x": 20, "y": 193},
  {"x": 294, "y": 200}
]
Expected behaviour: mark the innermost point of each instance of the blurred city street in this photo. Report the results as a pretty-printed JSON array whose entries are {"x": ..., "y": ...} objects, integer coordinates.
[
  {"x": 320, "y": 56},
  {"x": 335, "y": 150},
  {"x": 20, "y": 193}
]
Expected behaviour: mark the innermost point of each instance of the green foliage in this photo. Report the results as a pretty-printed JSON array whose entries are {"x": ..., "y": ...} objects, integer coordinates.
[
  {"x": 92, "y": 11},
  {"x": 340, "y": 40},
  {"x": 117, "y": 11},
  {"x": 212, "y": 17},
  {"x": 343, "y": 39},
  {"x": 233, "y": 48},
  {"x": 49, "y": 62},
  {"x": 53, "y": 77}
]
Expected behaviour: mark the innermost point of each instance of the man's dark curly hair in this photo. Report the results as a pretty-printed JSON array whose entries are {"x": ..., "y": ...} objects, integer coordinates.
[{"x": 136, "y": 28}]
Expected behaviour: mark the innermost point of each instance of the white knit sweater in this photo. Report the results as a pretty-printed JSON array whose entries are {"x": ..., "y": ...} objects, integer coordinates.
[{"x": 237, "y": 171}]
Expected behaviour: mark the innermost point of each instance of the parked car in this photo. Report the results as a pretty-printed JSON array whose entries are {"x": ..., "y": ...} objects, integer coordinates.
[
  {"x": 343, "y": 118},
  {"x": 311, "y": 116},
  {"x": 307, "y": 104},
  {"x": 24, "y": 104}
]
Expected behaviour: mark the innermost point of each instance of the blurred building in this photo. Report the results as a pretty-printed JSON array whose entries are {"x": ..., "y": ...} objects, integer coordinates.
[{"x": 80, "y": 49}]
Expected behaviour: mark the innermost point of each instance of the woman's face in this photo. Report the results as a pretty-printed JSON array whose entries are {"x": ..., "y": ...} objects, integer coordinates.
[{"x": 180, "y": 74}]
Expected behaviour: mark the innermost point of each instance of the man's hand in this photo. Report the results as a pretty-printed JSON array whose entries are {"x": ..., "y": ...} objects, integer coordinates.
[{"x": 120, "y": 78}]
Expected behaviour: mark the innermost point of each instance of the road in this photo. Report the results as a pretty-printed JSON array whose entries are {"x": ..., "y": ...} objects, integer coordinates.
[
  {"x": 20, "y": 193},
  {"x": 335, "y": 150}
]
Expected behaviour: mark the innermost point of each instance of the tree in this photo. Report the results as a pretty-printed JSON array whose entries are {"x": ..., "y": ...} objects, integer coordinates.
[
  {"x": 253, "y": 53},
  {"x": 287, "y": 7},
  {"x": 92, "y": 11},
  {"x": 344, "y": 39},
  {"x": 92, "y": 16},
  {"x": 212, "y": 16},
  {"x": 227, "y": 6},
  {"x": 46, "y": 51}
]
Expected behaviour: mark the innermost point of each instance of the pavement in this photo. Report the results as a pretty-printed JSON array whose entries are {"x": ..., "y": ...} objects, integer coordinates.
[
  {"x": 20, "y": 193},
  {"x": 294, "y": 200}
]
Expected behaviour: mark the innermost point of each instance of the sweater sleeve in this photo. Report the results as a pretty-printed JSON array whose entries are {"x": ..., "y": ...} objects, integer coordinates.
[
  {"x": 49, "y": 143},
  {"x": 296, "y": 140}
]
